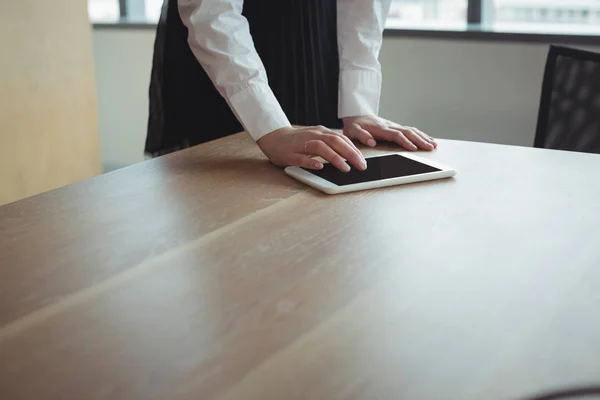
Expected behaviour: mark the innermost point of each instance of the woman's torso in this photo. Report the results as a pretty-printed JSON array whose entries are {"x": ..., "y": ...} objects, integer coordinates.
[{"x": 296, "y": 40}]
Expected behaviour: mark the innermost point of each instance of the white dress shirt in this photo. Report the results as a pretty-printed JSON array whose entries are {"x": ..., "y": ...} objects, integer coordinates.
[{"x": 219, "y": 36}]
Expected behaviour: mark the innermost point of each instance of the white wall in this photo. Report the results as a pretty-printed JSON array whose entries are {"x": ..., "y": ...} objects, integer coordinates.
[
  {"x": 469, "y": 90},
  {"x": 483, "y": 91},
  {"x": 123, "y": 64}
]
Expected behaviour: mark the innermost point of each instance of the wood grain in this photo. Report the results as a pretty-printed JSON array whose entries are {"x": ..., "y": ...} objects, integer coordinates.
[
  {"x": 480, "y": 287},
  {"x": 48, "y": 117},
  {"x": 84, "y": 233}
]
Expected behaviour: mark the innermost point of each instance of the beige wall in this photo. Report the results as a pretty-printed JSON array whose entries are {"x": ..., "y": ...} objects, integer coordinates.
[
  {"x": 470, "y": 90},
  {"x": 48, "y": 113}
]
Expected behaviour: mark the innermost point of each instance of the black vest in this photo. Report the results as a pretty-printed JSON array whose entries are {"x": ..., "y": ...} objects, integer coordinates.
[{"x": 297, "y": 42}]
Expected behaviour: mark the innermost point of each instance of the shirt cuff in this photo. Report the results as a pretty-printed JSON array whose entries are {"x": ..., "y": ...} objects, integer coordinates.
[
  {"x": 359, "y": 93},
  {"x": 258, "y": 110}
]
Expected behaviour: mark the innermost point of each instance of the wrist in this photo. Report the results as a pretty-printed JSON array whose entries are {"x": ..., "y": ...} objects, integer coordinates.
[{"x": 283, "y": 129}]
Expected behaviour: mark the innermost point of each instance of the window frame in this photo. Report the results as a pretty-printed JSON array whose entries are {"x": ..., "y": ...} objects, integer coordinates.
[
  {"x": 474, "y": 11},
  {"x": 132, "y": 9},
  {"x": 478, "y": 27}
]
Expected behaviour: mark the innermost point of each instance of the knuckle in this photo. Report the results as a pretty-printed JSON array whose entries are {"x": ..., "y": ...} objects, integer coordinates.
[
  {"x": 337, "y": 160},
  {"x": 319, "y": 145},
  {"x": 336, "y": 139},
  {"x": 411, "y": 134},
  {"x": 404, "y": 139},
  {"x": 354, "y": 160}
]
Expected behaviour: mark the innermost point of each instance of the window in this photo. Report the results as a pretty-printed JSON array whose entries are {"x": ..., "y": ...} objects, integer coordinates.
[
  {"x": 540, "y": 15},
  {"x": 409, "y": 13},
  {"x": 152, "y": 9},
  {"x": 554, "y": 17},
  {"x": 135, "y": 10},
  {"x": 103, "y": 10}
]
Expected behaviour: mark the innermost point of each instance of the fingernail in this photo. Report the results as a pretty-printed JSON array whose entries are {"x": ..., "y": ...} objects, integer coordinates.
[
  {"x": 318, "y": 166},
  {"x": 345, "y": 167},
  {"x": 363, "y": 164},
  {"x": 414, "y": 147},
  {"x": 371, "y": 143}
]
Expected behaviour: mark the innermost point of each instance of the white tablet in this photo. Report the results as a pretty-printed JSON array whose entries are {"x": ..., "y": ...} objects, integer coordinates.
[{"x": 384, "y": 170}]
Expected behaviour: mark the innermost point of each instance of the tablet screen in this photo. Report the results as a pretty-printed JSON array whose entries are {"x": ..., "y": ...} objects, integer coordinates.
[{"x": 378, "y": 168}]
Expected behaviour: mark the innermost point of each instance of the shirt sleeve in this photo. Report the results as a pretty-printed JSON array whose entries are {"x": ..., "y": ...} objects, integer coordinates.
[
  {"x": 219, "y": 37},
  {"x": 360, "y": 34}
]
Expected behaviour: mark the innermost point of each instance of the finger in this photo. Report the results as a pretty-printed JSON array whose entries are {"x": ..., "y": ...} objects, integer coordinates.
[
  {"x": 340, "y": 144},
  {"x": 338, "y": 135},
  {"x": 426, "y": 137},
  {"x": 363, "y": 135},
  {"x": 349, "y": 141},
  {"x": 345, "y": 138},
  {"x": 304, "y": 161},
  {"x": 397, "y": 136},
  {"x": 416, "y": 139},
  {"x": 321, "y": 149},
  {"x": 348, "y": 151}
]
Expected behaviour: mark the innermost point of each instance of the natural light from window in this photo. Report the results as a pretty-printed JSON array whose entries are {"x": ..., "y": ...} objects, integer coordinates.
[
  {"x": 556, "y": 16},
  {"x": 108, "y": 10},
  {"x": 103, "y": 10},
  {"x": 542, "y": 16},
  {"x": 153, "y": 8},
  {"x": 427, "y": 13}
]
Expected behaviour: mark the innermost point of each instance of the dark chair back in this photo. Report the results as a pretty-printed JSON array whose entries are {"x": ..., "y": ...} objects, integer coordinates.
[{"x": 569, "y": 117}]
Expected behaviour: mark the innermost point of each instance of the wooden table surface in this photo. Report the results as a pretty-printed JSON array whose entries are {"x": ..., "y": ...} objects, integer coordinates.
[{"x": 211, "y": 274}]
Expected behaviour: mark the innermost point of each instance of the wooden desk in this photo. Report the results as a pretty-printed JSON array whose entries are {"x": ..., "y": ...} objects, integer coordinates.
[{"x": 210, "y": 274}]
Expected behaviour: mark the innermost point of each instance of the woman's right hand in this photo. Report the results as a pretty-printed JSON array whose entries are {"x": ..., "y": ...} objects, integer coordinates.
[{"x": 296, "y": 146}]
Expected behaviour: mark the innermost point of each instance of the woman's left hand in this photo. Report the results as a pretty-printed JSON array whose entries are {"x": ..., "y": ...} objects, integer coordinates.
[{"x": 369, "y": 128}]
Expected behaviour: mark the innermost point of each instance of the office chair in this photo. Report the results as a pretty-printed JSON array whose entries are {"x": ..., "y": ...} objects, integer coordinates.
[{"x": 569, "y": 116}]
